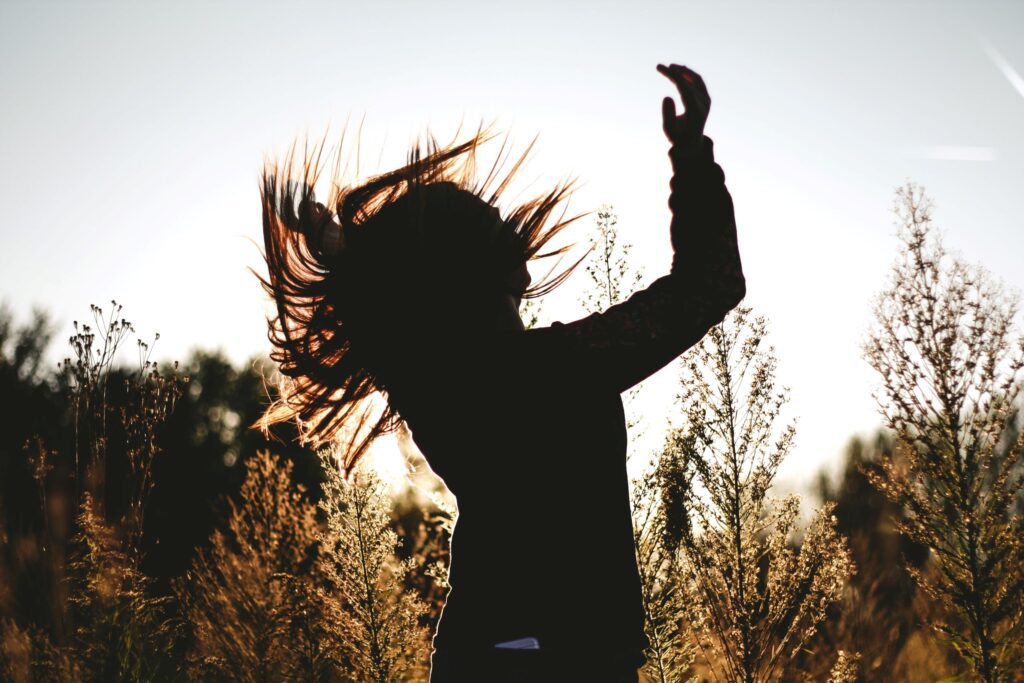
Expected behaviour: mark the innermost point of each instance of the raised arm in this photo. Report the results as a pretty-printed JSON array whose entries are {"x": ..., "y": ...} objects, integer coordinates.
[{"x": 628, "y": 342}]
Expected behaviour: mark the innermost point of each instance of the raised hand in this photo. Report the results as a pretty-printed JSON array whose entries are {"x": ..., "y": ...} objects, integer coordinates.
[{"x": 685, "y": 130}]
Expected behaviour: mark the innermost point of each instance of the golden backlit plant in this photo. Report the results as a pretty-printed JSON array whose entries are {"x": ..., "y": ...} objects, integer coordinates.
[
  {"x": 237, "y": 590},
  {"x": 670, "y": 654},
  {"x": 950, "y": 360},
  {"x": 753, "y": 597},
  {"x": 123, "y": 631},
  {"x": 382, "y": 632}
]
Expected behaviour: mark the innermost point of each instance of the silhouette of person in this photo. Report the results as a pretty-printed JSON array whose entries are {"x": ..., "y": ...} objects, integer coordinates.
[{"x": 410, "y": 287}]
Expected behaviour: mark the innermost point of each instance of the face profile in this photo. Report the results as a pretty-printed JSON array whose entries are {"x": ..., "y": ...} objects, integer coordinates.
[{"x": 429, "y": 231}]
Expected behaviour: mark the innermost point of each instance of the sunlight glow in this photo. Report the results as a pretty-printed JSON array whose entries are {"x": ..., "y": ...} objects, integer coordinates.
[
  {"x": 389, "y": 462},
  {"x": 1004, "y": 67},
  {"x": 952, "y": 153}
]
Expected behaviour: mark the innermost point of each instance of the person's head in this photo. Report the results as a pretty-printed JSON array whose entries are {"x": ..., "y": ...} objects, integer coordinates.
[{"x": 421, "y": 250}]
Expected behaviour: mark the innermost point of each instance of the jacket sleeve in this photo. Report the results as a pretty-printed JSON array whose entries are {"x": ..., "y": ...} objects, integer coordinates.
[{"x": 630, "y": 341}]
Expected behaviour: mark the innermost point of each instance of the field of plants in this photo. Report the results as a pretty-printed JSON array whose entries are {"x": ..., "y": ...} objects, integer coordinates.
[{"x": 149, "y": 533}]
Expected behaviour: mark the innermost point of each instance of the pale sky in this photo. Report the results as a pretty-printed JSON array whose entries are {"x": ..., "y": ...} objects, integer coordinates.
[{"x": 132, "y": 133}]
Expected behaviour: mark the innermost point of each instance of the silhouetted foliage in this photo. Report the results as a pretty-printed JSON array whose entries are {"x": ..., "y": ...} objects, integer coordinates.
[
  {"x": 381, "y": 633},
  {"x": 235, "y": 592},
  {"x": 951, "y": 364},
  {"x": 878, "y": 616},
  {"x": 146, "y": 534},
  {"x": 754, "y": 599},
  {"x": 207, "y": 441}
]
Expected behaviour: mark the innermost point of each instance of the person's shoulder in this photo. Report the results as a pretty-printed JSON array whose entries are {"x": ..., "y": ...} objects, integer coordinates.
[
  {"x": 554, "y": 351},
  {"x": 515, "y": 352},
  {"x": 537, "y": 343},
  {"x": 546, "y": 348}
]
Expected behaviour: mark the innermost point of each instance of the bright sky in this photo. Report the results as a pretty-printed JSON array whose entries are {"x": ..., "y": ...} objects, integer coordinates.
[{"x": 132, "y": 133}]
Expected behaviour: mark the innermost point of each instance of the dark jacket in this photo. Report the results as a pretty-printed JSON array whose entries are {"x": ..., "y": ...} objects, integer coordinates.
[{"x": 527, "y": 430}]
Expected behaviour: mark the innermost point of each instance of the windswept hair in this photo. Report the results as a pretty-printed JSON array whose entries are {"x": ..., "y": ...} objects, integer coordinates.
[{"x": 420, "y": 252}]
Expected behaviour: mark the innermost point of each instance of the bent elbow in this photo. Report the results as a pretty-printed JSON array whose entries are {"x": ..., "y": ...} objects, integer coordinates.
[
  {"x": 738, "y": 291},
  {"x": 731, "y": 293},
  {"x": 731, "y": 290}
]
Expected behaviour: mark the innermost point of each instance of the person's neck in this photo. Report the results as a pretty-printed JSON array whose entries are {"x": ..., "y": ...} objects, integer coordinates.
[{"x": 506, "y": 316}]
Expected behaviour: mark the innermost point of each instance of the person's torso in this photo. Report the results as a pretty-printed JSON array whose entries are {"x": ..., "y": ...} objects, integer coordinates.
[{"x": 543, "y": 545}]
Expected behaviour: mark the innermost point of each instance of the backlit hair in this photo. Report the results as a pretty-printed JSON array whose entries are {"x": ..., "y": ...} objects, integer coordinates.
[{"x": 419, "y": 248}]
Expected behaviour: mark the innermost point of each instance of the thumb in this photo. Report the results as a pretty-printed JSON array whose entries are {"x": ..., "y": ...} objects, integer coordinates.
[{"x": 668, "y": 114}]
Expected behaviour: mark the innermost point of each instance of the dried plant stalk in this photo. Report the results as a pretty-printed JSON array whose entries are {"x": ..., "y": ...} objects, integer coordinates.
[
  {"x": 382, "y": 634},
  {"x": 950, "y": 359},
  {"x": 753, "y": 598}
]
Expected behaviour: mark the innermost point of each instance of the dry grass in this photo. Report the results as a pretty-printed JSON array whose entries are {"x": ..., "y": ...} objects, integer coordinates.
[{"x": 319, "y": 585}]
